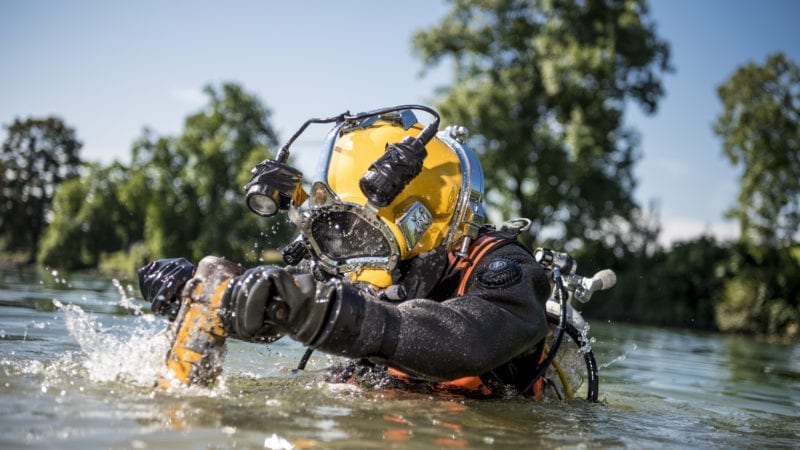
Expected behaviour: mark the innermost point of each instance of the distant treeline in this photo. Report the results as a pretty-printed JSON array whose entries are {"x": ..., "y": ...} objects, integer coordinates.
[{"x": 702, "y": 284}]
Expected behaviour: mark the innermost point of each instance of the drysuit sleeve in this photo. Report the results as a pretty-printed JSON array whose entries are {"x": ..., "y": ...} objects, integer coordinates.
[{"x": 500, "y": 316}]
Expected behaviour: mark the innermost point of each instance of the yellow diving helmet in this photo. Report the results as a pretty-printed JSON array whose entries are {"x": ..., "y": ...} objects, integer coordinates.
[
  {"x": 387, "y": 190},
  {"x": 439, "y": 206}
]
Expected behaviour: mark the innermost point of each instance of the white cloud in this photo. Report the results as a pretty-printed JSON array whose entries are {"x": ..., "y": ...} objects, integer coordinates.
[
  {"x": 189, "y": 96},
  {"x": 685, "y": 228}
]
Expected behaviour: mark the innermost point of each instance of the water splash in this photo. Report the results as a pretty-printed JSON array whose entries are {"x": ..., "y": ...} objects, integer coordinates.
[
  {"x": 619, "y": 358},
  {"x": 116, "y": 354},
  {"x": 133, "y": 352},
  {"x": 587, "y": 341},
  {"x": 62, "y": 281},
  {"x": 126, "y": 300},
  {"x": 276, "y": 442}
]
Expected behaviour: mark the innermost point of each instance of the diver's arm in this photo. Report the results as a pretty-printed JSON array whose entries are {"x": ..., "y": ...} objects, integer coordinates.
[{"x": 500, "y": 316}]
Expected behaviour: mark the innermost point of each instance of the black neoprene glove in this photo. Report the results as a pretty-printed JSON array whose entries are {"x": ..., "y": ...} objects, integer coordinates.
[
  {"x": 266, "y": 302},
  {"x": 161, "y": 283}
]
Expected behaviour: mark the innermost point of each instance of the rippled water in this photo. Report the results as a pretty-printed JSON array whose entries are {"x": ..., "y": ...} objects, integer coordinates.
[{"x": 78, "y": 360}]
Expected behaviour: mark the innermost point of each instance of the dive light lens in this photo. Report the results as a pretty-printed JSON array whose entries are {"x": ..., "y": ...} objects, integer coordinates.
[
  {"x": 262, "y": 204},
  {"x": 273, "y": 187}
]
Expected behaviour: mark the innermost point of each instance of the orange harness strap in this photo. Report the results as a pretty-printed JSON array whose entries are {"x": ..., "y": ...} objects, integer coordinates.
[
  {"x": 479, "y": 248},
  {"x": 472, "y": 383}
]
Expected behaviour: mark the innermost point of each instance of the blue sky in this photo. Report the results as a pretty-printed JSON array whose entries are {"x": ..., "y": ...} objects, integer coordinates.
[{"x": 111, "y": 68}]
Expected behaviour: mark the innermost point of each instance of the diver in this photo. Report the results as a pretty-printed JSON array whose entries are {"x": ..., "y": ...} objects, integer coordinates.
[{"x": 394, "y": 267}]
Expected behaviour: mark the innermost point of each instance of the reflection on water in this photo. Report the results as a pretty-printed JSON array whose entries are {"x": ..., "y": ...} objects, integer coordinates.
[{"x": 78, "y": 360}]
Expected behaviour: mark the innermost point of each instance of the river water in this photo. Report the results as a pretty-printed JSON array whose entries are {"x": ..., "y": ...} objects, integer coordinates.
[{"x": 79, "y": 356}]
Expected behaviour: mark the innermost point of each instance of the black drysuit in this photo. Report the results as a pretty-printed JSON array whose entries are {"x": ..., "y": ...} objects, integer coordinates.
[{"x": 494, "y": 328}]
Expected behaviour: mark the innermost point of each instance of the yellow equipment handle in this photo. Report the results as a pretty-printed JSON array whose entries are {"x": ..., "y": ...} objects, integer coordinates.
[{"x": 197, "y": 336}]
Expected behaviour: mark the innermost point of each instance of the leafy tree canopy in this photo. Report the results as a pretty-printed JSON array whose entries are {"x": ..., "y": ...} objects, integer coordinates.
[
  {"x": 37, "y": 155},
  {"x": 194, "y": 181},
  {"x": 760, "y": 128},
  {"x": 89, "y": 219},
  {"x": 181, "y": 196},
  {"x": 544, "y": 83}
]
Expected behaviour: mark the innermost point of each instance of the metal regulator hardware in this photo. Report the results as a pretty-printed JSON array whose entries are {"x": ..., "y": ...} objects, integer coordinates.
[
  {"x": 562, "y": 268},
  {"x": 581, "y": 287}
]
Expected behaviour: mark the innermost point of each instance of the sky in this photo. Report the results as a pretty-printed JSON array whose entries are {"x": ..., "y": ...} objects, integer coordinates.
[{"x": 110, "y": 69}]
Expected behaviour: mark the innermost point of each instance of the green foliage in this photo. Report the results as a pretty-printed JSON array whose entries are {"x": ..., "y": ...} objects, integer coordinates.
[
  {"x": 702, "y": 284},
  {"x": 195, "y": 201},
  {"x": 125, "y": 263},
  {"x": 762, "y": 295},
  {"x": 37, "y": 155},
  {"x": 678, "y": 287},
  {"x": 545, "y": 83},
  {"x": 760, "y": 132},
  {"x": 89, "y": 219},
  {"x": 181, "y": 196}
]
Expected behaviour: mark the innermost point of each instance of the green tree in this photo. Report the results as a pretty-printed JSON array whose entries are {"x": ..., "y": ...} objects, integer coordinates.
[
  {"x": 37, "y": 155},
  {"x": 545, "y": 83},
  {"x": 194, "y": 202},
  {"x": 675, "y": 287},
  {"x": 181, "y": 195},
  {"x": 89, "y": 219},
  {"x": 760, "y": 128},
  {"x": 762, "y": 293},
  {"x": 162, "y": 196}
]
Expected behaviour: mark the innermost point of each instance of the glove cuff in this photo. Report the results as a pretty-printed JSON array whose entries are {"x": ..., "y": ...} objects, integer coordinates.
[
  {"x": 358, "y": 327},
  {"x": 306, "y": 328}
]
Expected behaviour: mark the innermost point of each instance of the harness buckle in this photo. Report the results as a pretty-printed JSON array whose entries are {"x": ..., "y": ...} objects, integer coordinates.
[{"x": 516, "y": 226}]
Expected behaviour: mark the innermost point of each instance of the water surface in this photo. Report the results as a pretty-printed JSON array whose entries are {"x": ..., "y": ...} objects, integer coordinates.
[{"x": 79, "y": 356}]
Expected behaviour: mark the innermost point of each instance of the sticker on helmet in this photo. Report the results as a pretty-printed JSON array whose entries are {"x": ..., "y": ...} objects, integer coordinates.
[
  {"x": 500, "y": 273},
  {"x": 414, "y": 224}
]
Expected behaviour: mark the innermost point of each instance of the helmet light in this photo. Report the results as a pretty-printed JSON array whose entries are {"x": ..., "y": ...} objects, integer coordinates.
[
  {"x": 263, "y": 200},
  {"x": 273, "y": 187}
]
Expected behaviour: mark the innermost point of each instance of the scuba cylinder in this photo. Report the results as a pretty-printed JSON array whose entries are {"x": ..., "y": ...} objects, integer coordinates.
[{"x": 196, "y": 335}]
